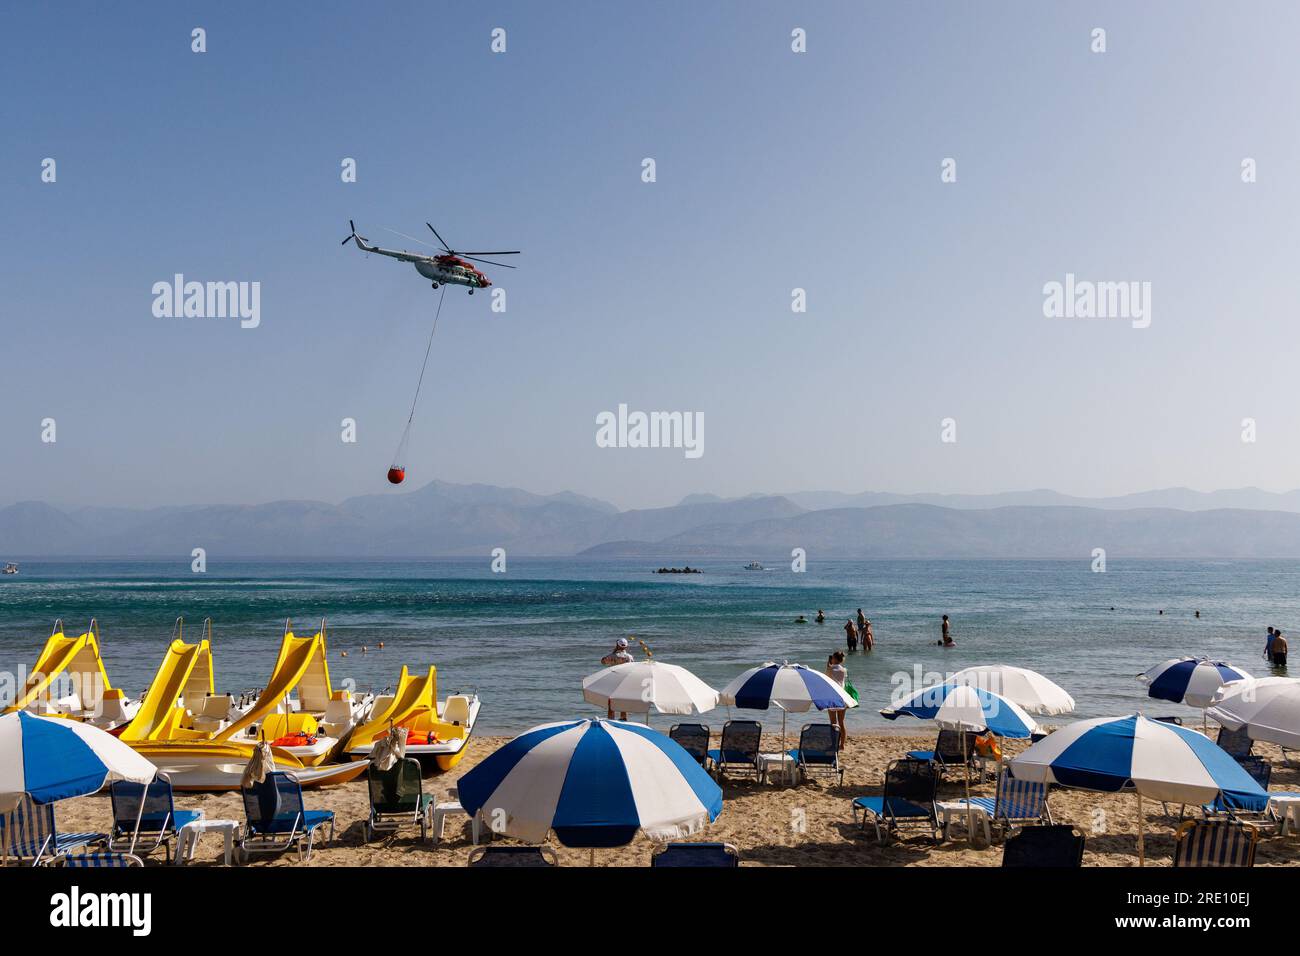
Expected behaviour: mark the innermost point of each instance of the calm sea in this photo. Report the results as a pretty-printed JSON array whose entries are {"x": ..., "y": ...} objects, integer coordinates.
[{"x": 526, "y": 638}]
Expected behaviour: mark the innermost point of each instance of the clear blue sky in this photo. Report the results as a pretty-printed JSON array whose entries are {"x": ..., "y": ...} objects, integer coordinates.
[{"x": 775, "y": 170}]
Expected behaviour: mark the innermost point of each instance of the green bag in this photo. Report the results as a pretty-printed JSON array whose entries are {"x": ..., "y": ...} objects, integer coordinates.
[{"x": 851, "y": 690}]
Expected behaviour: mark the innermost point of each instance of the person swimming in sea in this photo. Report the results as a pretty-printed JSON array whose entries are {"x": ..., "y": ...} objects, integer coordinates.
[
  {"x": 821, "y": 616},
  {"x": 801, "y": 619}
]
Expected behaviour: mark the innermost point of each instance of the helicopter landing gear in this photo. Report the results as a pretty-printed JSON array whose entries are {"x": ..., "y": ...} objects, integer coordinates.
[
  {"x": 471, "y": 291},
  {"x": 435, "y": 285}
]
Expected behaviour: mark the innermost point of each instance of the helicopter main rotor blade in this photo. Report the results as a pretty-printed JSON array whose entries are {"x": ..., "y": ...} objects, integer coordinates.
[
  {"x": 512, "y": 252},
  {"x": 405, "y": 236},
  {"x": 440, "y": 239},
  {"x": 488, "y": 261}
]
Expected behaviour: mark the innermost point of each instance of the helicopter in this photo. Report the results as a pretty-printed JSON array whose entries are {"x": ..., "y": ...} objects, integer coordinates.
[{"x": 447, "y": 268}]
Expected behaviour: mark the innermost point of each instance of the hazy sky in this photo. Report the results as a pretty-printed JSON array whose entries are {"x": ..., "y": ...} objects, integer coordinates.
[{"x": 775, "y": 170}]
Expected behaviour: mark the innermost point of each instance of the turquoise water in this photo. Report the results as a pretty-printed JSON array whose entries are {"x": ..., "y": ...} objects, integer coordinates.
[{"x": 525, "y": 639}]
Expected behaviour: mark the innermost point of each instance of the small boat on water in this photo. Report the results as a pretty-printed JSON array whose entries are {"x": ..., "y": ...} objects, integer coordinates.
[
  {"x": 437, "y": 731},
  {"x": 10, "y": 568},
  {"x": 754, "y": 566},
  {"x": 68, "y": 680}
]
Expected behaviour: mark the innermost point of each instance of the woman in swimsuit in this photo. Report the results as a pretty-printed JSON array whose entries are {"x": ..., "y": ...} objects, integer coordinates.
[{"x": 837, "y": 672}]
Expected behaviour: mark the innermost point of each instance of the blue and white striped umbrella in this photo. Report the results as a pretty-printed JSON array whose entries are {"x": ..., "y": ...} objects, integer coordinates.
[
  {"x": 51, "y": 758},
  {"x": 1159, "y": 760},
  {"x": 963, "y": 707},
  {"x": 1190, "y": 680},
  {"x": 594, "y": 782},
  {"x": 792, "y": 687}
]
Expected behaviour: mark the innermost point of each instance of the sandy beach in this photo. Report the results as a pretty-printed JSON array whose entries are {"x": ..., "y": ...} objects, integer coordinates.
[{"x": 808, "y": 825}]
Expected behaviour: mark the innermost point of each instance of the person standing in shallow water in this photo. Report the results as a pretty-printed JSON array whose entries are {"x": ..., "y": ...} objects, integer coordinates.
[
  {"x": 1279, "y": 651},
  {"x": 946, "y": 631},
  {"x": 868, "y": 638},
  {"x": 850, "y": 634},
  {"x": 1268, "y": 645}
]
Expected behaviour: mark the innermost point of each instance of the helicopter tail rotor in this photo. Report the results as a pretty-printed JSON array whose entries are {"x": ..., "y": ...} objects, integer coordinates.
[{"x": 352, "y": 236}]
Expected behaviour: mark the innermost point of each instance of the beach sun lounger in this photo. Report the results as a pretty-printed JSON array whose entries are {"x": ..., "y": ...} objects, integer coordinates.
[
  {"x": 398, "y": 800},
  {"x": 1235, "y": 742},
  {"x": 951, "y": 752},
  {"x": 720, "y": 855},
  {"x": 513, "y": 856},
  {"x": 818, "y": 752},
  {"x": 29, "y": 834},
  {"x": 738, "y": 752},
  {"x": 277, "y": 819},
  {"x": 694, "y": 739},
  {"x": 104, "y": 859},
  {"x": 1015, "y": 803},
  {"x": 160, "y": 821},
  {"x": 1053, "y": 845},
  {"x": 1215, "y": 843},
  {"x": 907, "y": 801},
  {"x": 1261, "y": 771}
]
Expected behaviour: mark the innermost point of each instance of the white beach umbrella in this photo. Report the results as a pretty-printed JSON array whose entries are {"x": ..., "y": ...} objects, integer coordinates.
[
  {"x": 49, "y": 758},
  {"x": 793, "y": 688},
  {"x": 1190, "y": 680},
  {"x": 1267, "y": 708},
  {"x": 1153, "y": 759},
  {"x": 966, "y": 708},
  {"x": 594, "y": 783},
  {"x": 637, "y": 686},
  {"x": 1030, "y": 689}
]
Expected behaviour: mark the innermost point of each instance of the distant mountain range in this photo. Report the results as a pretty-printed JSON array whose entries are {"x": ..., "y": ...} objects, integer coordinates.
[{"x": 443, "y": 519}]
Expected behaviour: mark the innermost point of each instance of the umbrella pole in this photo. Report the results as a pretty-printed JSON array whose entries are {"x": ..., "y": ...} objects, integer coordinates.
[
  {"x": 1142, "y": 855},
  {"x": 593, "y": 856},
  {"x": 139, "y": 814},
  {"x": 970, "y": 813}
]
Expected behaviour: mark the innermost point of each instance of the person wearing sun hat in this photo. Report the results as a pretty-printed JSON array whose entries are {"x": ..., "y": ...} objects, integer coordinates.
[{"x": 619, "y": 655}]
